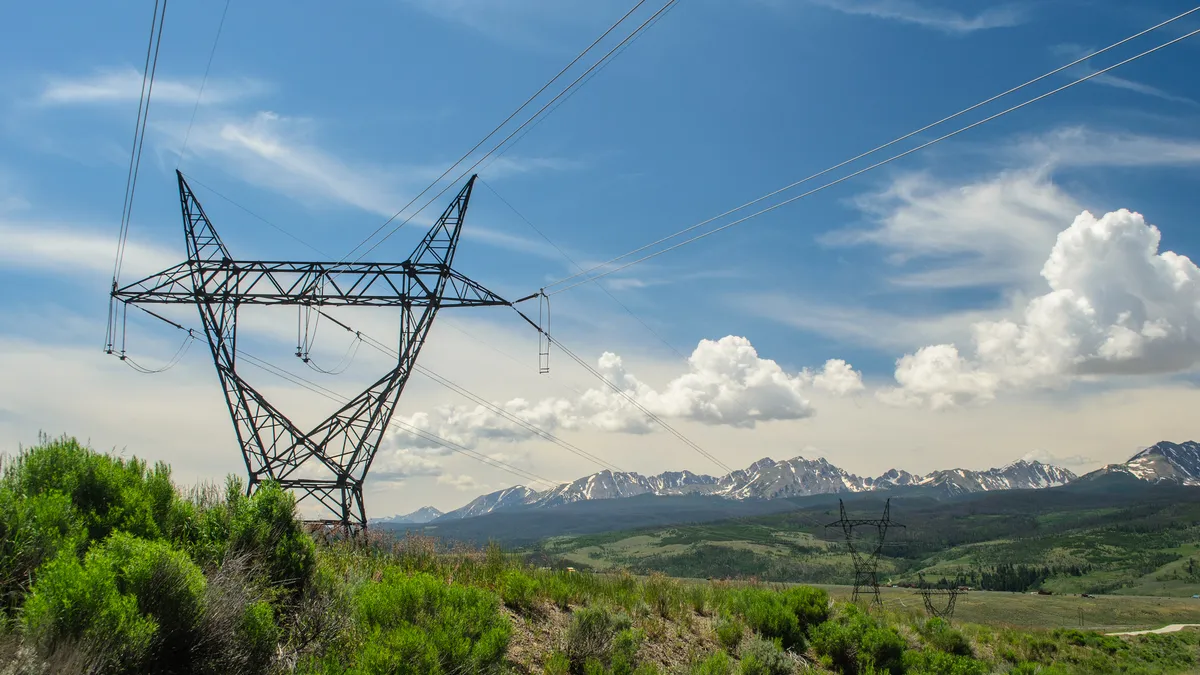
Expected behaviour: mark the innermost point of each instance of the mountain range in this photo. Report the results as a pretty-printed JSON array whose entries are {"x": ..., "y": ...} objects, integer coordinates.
[{"x": 798, "y": 477}]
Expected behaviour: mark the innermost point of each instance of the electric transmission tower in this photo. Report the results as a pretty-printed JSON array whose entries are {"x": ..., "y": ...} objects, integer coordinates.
[
  {"x": 945, "y": 609},
  {"x": 864, "y": 551},
  {"x": 330, "y": 462}
]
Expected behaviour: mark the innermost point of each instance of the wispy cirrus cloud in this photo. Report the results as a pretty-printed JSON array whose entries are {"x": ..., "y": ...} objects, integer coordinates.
[
  {"x": 1117, "y": 82},
  {"x": 928, "y": 16},
  {"x": 125, "y": 84}
]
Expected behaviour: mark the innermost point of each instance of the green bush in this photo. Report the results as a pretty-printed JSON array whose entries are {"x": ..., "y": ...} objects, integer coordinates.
[
  {"x": 420, "y": 625},
  {"x": 942, "y": 663},
  {"x": 135, "y": 605},
  {"x": 623, "y": 655},
  {"x": 265, "y": 527},
  {"x": 33, "y": 530},
  {"x": 767, "y": 615},
  {"x": 257, "y": 635},
  {"x": 854, "y": 643},
  {"x": 717, "y": 663},
  {"x": 592, "y": 635},
  {"x": 810, "y": 605},
  {"x": 764, "y": 657},
  {"x": 939, "y": 635},
  {"x": 729, "y": 633},
  {"x": 109, "y": 493},
  {"x": 558, "y": 664},
  {"x": 517, "y": 591}
]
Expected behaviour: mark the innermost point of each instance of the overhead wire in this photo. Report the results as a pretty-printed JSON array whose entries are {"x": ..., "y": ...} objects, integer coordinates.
[
  {"x": 263, "y": 364},
  {"x": 624, "y": 394},
  {"x": 514, "y": 132},
  {"x": 574, "y": 91},
  {"x": 508, "y": 415},
  {"x": 601, "y": 266},
  {"x": 570, "y": 260},
  {"x": 149, "y": 68},
  {"x": 498, "y": 127},
  {"x": 204, "y": 81}
]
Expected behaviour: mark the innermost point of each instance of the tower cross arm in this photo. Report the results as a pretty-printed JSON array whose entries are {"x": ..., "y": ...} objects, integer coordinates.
[{"x": 259, "y": 282}]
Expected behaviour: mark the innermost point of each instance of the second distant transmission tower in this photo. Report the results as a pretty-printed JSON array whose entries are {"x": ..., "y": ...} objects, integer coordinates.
[{"x": 865, "y": 550}]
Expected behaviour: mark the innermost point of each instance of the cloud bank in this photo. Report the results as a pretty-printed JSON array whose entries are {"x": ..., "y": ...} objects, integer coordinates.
[{"x": 1116, "y": 306}]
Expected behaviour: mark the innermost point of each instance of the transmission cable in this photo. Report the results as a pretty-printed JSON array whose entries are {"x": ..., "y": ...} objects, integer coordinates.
[
  {"x": 574, "y": 91},
  {"x": 514, "y": 132},
  {"x": 449, "y": 384},
  {"x": 499, "y": 126},
  {"x": 600, "y": 266},
  {"x": 570, "y": 260},
  {"x": 149, "y": 68},
  {"x": 624, "y": 394},
  {"x": 263, "y": 364},
  {"x": 212, "y": 52}
]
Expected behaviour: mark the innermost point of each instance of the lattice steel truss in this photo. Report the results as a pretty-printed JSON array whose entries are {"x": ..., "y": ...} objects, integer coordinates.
[
  {"x": 344, "y": 445},
  {"x": 866, "y": 562},
  {"x": 945, "y": 609}
]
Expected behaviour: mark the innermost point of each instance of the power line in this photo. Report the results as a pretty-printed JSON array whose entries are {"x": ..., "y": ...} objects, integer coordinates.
[
  {"x": 590, "y": 276},
  {"x": 149, "y": 68},
  {"x": 193, "y": 179},
  {"x": 449, "y": 384},
  {"x": 491, "y": 133},
  {"x": 212, "y": 52},
  {"x": 624, "y": 394},
  {"x": 580, "y": 267},
  {"x": 575, "y": 91},
  {"x": 514, "y": 132},
  {"x": 269, "y": 367}
]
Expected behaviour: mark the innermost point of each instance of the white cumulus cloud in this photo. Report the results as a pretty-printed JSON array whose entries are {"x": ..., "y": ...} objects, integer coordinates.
[
  {"x": 726, "y": 383},
  {"x": 1116, "y": 305}
]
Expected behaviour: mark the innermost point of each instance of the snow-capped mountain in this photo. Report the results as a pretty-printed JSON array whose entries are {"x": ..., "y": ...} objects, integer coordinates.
[
  {"x": 421, "y": 515},
  {"x": 1161, "y": 462},
  {"x": 796, "y": 477},
  {"x": 767, "y": 479},
  {"x": 501, "y": 499}
]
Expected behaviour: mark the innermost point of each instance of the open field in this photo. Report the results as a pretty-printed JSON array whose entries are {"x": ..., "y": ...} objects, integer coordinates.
[{"x": 1105, "y": 613}]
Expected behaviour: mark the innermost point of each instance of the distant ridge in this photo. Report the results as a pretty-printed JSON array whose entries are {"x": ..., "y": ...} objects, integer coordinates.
[
  {"x": 764, "y": 479},
  {"x": 1163, "y": 462}
]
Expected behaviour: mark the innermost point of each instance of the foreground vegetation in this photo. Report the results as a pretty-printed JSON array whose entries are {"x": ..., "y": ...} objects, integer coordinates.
[{"x": 106, "y": 567}]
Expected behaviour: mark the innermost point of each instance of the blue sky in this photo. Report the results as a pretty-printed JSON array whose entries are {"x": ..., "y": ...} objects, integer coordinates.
[{"x": 326, "y": 118}]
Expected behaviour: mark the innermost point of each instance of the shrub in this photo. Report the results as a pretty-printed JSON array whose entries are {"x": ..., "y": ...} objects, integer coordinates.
[
  {"x": 557, "y": 664},
  {"x": 717, "y": 663},
  {"x": 265, "y": 526},
  {"x": 764, "y": 657},
  {"x": 942, "y": 663},
  {"x": 136, "y": 605},
  {"x": 73, "y": 603},
  {"x": 766, "y": 614},
  {"x": 257, "y": 634},
  {"x": 810, "y": 605},
  {"x": 33, "y": 530},
  {"x": 939, "y": 635},
  {"x": 729, "y": 633},
  {"x": 855, "y": 643},
  {"x": 623, "y": 656},
  {"x": 419, "y": 624},
  {"x": 592, "y": 635},
  {"x": 109, "y": 493},
  {"x": 517, "y": 591}
]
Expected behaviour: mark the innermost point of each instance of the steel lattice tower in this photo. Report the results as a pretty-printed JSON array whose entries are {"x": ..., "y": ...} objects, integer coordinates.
[
  {"x": 866, "y": 562},
  {"x": 343, "y": 445}
]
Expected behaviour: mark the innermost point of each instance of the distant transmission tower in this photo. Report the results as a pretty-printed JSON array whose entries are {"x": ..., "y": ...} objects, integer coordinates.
[
  {"x": 866, "y": 559},
  {"x": 336, "y": 455},
  {"x": 939, "y": 602}
]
